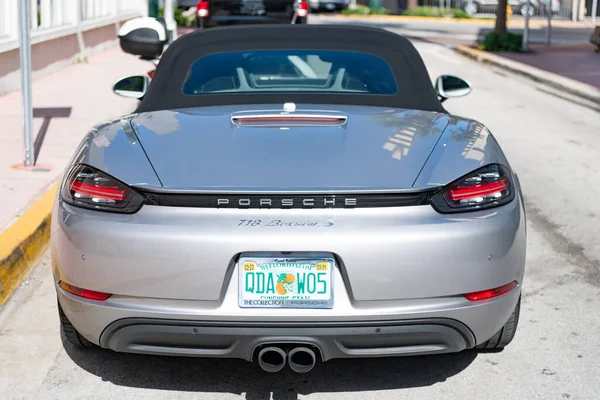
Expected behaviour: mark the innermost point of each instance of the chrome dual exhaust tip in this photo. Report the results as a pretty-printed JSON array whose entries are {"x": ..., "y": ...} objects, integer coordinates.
[
  {"x": 272, "y": 359},
  {"x": 301, "y": 359}
]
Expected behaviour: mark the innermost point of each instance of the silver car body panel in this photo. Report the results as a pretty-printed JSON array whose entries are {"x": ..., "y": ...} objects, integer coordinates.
[
  {"x": 377, "y": 149},
  {"x": 393, "y": 263}
]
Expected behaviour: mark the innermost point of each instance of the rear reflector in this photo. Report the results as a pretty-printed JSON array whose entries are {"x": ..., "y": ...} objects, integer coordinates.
[
  {"x": 86, "y": 294},
  {"x": 491, "y": 293}
]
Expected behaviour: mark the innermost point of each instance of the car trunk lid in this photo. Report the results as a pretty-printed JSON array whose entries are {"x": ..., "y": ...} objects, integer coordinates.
[{"x": 309, "y": 149}]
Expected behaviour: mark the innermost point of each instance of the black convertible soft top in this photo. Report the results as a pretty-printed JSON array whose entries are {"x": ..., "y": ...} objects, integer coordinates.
[{"x": 415, "y": 90}]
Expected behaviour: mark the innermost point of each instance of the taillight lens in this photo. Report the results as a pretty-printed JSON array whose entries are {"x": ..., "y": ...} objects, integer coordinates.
[
  {"x": 487, "y": 187},
  {"x": 202, "y": 9},
  {"x": 151, "y": 73},
  {"x": 87, "y": 187},
  {"x": 302, "y": 9}
]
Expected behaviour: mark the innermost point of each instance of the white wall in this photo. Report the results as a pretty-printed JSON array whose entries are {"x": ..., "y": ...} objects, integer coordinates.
[
  {"x": 62, "y": 32},
  {"x": 51, "y": 19}
]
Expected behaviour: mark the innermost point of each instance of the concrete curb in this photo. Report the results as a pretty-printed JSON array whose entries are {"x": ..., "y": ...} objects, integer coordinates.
[
  {"x": 585, "y": 92},
  {"x": 24, "y": 242},
  {"x": 491, "y": 21}
]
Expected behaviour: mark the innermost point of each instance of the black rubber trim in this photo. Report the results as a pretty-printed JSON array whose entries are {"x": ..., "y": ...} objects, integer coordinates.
[
  {"x": 463, "y": 330},
  {"x": 294, "y": 201}
]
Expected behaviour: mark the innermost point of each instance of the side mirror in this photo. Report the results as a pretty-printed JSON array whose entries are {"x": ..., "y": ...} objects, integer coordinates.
[
  {"x": 133, "y": 87},
  {"x": 449, "y": 86}
]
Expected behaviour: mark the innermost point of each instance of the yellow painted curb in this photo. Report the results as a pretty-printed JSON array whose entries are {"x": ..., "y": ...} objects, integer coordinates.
[
  {"x": 490, "y": 21},
  {"x": 414, "y": 18},
  {"x": 478, "y": 55},
  {"x": 23, "y": 243}
]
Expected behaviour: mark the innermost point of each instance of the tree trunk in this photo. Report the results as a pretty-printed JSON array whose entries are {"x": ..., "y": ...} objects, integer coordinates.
[
  {"x": 500, "y": 28},
  {"x": 412, "y": 4}
]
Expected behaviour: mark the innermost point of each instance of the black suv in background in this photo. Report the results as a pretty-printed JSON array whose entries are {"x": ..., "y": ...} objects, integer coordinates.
[{"x": 211, "y": 13}]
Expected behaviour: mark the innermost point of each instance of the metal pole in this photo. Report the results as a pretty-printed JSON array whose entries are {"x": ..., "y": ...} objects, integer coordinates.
[
  {"x": 594, "y": 11},
  {"x": 549, "y": 12},
  {"x": 170, "y": 20},
  {"x": 525, "y": 43},
  {"x": 25, "y": 52},
  {"x": 441, "y": 6}
]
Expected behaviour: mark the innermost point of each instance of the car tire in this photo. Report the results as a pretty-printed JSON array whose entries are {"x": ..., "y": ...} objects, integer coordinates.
[
  {"x": 523, "y": 9},
  {"x": 472, "y": 8},
  {"x": 69, "y": 332},
  {"x": 505, "y": 335}
]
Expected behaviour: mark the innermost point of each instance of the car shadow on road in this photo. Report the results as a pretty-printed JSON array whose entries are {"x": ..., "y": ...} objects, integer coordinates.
[{"x": 241, "y": 377}]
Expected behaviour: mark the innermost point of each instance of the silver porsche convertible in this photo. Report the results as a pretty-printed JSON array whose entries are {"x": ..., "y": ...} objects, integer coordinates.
[{"x": 287, "y": 196}]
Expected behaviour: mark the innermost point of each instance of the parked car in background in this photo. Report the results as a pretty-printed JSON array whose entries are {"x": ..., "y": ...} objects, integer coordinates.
[
  {"x": 226, "y": 12},
  {"x": 186, "y": 3},
  {"x": 330, "y": 5},
  {"x": 517, "y": 6}
]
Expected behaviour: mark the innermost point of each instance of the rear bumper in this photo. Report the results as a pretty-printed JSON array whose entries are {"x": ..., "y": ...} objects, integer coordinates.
[
  {"x": 333, "y": 340},
  {"x": 393, "y": 267},
  {"x": 243, "y": 20},
  {"x": 147, "y": 326}
]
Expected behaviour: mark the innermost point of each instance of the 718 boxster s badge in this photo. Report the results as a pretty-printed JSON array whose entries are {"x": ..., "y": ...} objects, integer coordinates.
[{"x": 289, "y": 199}]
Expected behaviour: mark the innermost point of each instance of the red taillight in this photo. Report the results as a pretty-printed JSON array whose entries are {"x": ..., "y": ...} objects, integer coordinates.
[
  {"x": 302, "y": 9},
  {"x": 97, "y": 191},
  {"x": 202, "y": 9},
  {"x": 85, "y": 293},
  {"x": 487, "y": 187},
  {"x": 151, "y": 73},
  {"x": 491, "y": 293},
  {"x": 87, "y": 187},
  {"x": 475, "y": 191}
]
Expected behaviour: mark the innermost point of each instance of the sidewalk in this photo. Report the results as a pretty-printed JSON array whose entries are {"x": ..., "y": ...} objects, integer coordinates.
[
  {"x": 512, "y": 21},
  {"x": 577, "y": 61},
  {"x": 568, "y": 71},
  {"x": 79, "y": 97}
]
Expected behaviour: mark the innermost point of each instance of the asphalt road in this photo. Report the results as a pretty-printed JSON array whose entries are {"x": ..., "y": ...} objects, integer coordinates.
[
  {"x": 555, "y": 148},
  {"x": 453, "y": 33}
]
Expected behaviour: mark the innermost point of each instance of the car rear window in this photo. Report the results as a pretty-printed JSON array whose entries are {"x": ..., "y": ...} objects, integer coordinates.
[{"x": 267, "y": 71}]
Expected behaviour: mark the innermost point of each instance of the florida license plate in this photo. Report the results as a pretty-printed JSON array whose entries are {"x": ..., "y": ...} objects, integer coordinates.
[{"x": 285, "y": 282}]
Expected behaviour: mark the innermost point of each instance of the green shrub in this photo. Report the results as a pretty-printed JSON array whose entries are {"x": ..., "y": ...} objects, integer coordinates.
[
  {"x": 180, "y": 18},
  {"x": 364, "y": 10},
  {"x": 494, "y": 42},
  {"x": 436, "y": 12},
  {"x": 457, "y": 13},
  {"x": 422, "y": 12}
]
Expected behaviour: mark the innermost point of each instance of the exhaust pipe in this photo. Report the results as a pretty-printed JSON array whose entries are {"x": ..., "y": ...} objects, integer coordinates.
[
  {"x": 271, "y": 359},
  {"x": 302, "y": 359}
]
